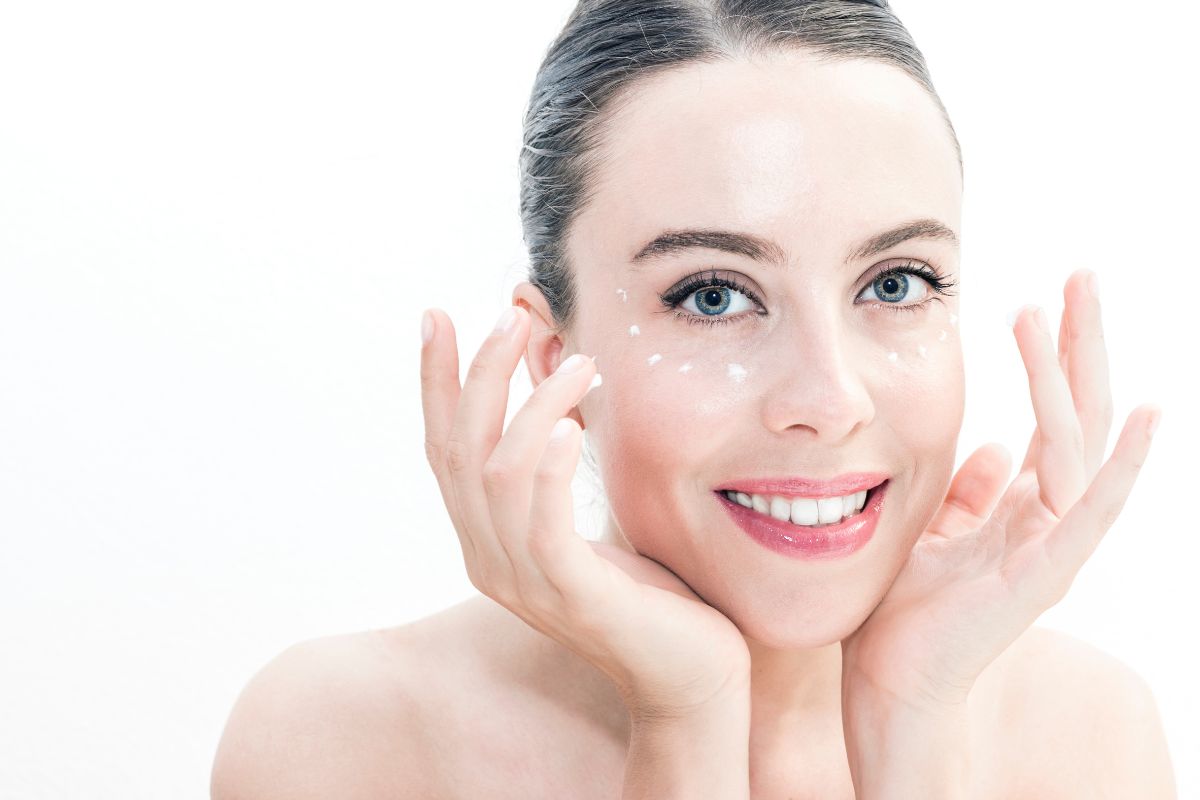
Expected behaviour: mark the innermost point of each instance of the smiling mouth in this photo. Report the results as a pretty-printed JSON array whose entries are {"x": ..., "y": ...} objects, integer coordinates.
[{"x": 803, "y": 512}]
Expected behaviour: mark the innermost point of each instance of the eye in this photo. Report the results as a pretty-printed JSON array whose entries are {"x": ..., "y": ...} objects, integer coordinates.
[
  {"x": 705, "y": 298},
  {"x": 893, "y": 286}
]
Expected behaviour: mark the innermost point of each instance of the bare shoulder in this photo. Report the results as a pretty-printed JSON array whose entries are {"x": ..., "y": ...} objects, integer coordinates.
[
  {"x": 456, "y": 704},
  {"x": 313, "y": 721},
  {"x": 508, "y": 712},
  {"x": 1078, "y": 721}
]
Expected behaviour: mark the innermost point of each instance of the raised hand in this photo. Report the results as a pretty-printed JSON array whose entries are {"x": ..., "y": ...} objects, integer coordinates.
[
  {"x": 509, "y": 497},
  {"x": 992, "y": 560}
]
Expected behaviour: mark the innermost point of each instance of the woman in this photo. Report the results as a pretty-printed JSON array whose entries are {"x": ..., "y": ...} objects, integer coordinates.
[{"x": 747, "y": 214}]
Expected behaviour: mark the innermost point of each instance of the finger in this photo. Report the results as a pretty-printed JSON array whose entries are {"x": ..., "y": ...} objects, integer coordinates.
[
  {"x": 1088, "y": 371},
  {"x": 567, "y": 561},
  {"x": 440, "y": 391},
  {"x": 439, "y": 386},
  {"x": 974, "y": 492},
  {"x": 478, "y": 421},
  {"x": 508, "y": 473},
  {"x": 1060, "y": 468},
  {"x": 1030, "y": 459},
  {"x": 1077, "y": 535}
]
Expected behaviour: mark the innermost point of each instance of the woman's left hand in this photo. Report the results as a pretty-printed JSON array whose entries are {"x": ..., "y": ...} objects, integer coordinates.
[{"x": 991, "y": 563}]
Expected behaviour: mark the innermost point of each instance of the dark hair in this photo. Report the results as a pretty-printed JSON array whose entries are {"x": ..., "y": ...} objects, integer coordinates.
[{"x": 606, "y": 45}]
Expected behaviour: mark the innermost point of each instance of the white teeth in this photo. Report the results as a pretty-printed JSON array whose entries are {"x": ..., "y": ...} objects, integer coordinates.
[
  {"x": 781, "y": 509},
  {"x": 829, "y": 509},
  {"x": 802, "y": 510}
]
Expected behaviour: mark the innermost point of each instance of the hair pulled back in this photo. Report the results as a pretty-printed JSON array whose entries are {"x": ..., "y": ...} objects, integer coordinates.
[{"x": 607, "y": 45}]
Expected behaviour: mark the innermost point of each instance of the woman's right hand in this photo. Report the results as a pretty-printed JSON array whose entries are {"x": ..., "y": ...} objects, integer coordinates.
[{"x": 509, "y": 497}]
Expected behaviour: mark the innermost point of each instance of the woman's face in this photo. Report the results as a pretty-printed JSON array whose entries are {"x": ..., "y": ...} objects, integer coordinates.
[{"x": 813, "y": 367}]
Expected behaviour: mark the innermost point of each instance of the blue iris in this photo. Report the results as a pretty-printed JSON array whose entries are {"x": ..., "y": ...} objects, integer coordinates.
[
  {"x": 712, "y": 296},
  {"x": 895, "y": 279}
]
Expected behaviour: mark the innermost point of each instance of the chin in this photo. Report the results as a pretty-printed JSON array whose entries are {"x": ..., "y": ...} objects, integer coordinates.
[{"x": 800, "y": 625}]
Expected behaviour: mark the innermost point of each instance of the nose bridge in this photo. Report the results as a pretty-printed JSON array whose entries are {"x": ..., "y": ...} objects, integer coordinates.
[{"x": 819, "y": 385}]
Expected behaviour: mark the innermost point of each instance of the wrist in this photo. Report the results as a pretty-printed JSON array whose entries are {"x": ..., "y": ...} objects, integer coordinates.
[
  {"x": 904, "y": 748},
  {"x": 731, "y": 694}
]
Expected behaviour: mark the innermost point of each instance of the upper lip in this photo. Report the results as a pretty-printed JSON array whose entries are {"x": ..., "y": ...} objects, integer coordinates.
[{"x": 796, "y": 486}]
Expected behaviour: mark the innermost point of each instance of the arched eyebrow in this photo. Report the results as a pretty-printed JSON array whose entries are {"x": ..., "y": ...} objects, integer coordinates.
[{"x": 768, "y": 252}]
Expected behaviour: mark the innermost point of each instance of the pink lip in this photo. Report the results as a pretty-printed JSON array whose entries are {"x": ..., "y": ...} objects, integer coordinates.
[
  {"x": 849, "y": 483},
  {"x": 823, "y": 542}
]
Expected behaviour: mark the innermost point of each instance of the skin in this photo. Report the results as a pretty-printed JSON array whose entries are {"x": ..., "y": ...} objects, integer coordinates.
[
  {"x": 823, "y": 379},
  {"x": 817, "y": 158}
]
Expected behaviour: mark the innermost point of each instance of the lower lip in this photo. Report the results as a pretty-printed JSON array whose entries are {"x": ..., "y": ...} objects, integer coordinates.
[{"x": 795, "y": 541}]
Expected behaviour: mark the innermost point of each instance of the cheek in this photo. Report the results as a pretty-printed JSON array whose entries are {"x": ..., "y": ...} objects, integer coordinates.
[
  {"x": 658, "y": 405},
  {"x": 920, "y": 369},
  {"x": 921, "y": 398},
  {"x": 660, "y": 425}
]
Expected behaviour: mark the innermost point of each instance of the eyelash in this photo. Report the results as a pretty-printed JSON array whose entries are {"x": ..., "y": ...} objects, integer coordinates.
[{"x": 695, "y": 283}]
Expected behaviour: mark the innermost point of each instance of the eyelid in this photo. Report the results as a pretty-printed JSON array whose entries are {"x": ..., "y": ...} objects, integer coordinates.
[
  {"x": 927, "y": 271},
  {"x": 937, "y": 283},
  {"x": 712, "y": 276}
]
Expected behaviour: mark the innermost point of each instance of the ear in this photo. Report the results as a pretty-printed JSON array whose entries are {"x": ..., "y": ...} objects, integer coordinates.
[{"x": 547, "y": 345}]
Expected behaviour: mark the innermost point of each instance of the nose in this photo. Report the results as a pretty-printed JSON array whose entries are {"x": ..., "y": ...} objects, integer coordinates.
[{"x": 819, "y": 390}]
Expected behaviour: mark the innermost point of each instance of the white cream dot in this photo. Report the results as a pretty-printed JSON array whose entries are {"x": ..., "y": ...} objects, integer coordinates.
[
  {"x": 634, "y": 330},
  {"x": 954, "y": 319},
  {"x": 737, "y": 372},
  {"x": 941, "y": 336},
  {"x": 921, "y": 349},
  {"x": 685, "y": 368},
  {"x": 624, "y": 295},
  {"x": 654, "y": 359},
  {"x": 893, "y": 356}
]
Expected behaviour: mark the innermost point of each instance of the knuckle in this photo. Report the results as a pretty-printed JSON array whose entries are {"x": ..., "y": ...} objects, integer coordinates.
[
  {"x": 479, "y": 368},
  {"x": 458, "y": 456},
  {"x": 1135, "y": 465},
  {"x": 1108, "y": 519},
  {"x": 546, "y": 471},
  {"x": 1109, "y": 515},
  {"x": 498, "y": 478},
  {"x": 433, "y": 454}
]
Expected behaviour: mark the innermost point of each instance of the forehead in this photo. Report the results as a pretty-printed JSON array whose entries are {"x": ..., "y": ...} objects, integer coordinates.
[{"x": 782, "y": 145}]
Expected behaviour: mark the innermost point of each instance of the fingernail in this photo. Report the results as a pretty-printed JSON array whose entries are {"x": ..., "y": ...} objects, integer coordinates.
[
  {"x": 560, "y": 429},
  {"x": 1153, "y": 426},
  {"x": 1039, "y": 316},
  {"x": 1094, "y": 285},
  {"x": 505, "y": 323},
  {"x": 571, "y": 364},
  {"x": 426, "y": 327},
  {"x": 1011, "y": 319}
]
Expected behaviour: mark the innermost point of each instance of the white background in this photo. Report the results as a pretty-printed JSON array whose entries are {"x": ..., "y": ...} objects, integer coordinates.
[{"x": 219, "y": 224}]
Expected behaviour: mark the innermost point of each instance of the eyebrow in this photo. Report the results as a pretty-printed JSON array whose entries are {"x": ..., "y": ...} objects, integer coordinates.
[{"x": 768, "y": 252}]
